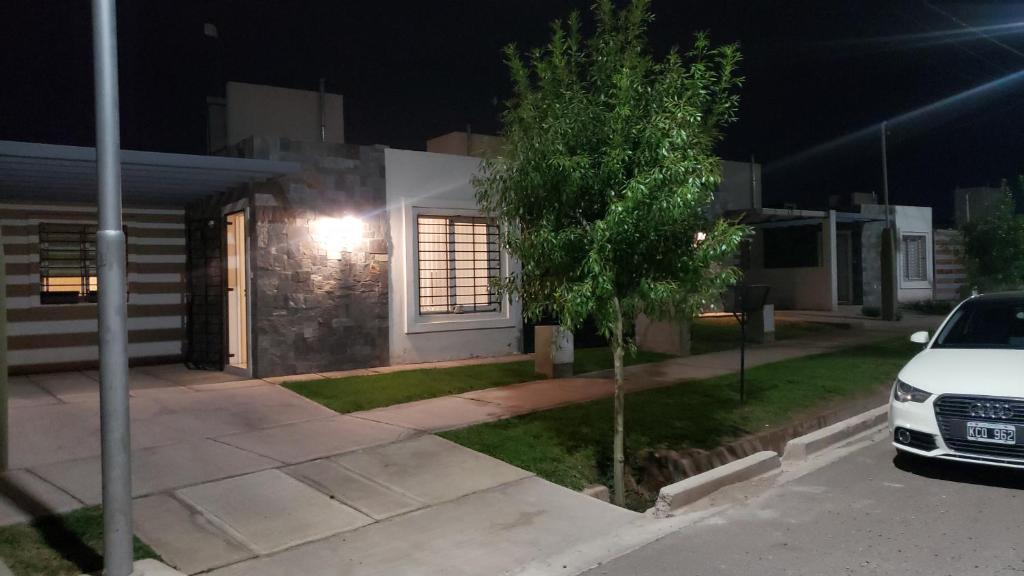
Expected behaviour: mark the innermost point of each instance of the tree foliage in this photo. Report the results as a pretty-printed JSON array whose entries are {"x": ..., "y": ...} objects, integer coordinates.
[
  {"x": 608, "y": 171},
  {"x": 994, "y": 247}
]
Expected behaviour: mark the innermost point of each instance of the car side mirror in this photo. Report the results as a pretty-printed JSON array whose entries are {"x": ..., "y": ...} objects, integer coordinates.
[{"x": 920, "y": 337}]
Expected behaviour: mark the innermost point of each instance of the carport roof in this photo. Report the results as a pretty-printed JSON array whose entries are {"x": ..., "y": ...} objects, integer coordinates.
[
  {"x": 49, "y": 172},
  {"x": 781, "y": 217}
]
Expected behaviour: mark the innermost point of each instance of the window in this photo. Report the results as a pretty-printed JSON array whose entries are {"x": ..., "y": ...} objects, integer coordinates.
[
  {"x": 67, "y": 263},
  {"x": 915, "y": 258},
  {"x": 791, "y": 247},
  {"x": 457, "y": 256}
]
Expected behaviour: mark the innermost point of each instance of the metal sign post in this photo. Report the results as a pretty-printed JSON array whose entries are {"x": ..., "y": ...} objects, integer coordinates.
[
  {"x": 113, "y": 305},
  {"x": 745, "y": 300}
]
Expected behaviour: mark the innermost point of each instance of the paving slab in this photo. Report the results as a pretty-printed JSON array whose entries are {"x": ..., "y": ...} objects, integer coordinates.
[
  {"x": 184, "y": 537},
  {"x": 157, "y": 469},
  {"x": 430, "y": 469},
  {"x": 437, "y": 414},
  {"x": 213, "y": 386},
  {"x": 294, "y": 443},
  {"x": 543, "y": 394},
  {"x": 270, "y": 511},
  {"x": 24, "y": 496},
  {"x": 490, "y": 532},
  {"x": 23, "y": 392},
  {"x": 227, "y": 411},
  {"x": 139, "y": 381},
  {"x": 181, "y": 374},
  {"x": 51, "y": 433},
  {"x": 363, "y": 494},
  {"x": 68, "y": 386}
]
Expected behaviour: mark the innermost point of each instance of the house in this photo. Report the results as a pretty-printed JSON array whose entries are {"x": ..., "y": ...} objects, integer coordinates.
[
  {"x": 284, "y": 254},
  {"x": 822, "y": 259}
]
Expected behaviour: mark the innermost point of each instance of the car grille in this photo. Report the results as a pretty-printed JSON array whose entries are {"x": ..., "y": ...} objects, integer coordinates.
[{"x": 953, "y": 412}]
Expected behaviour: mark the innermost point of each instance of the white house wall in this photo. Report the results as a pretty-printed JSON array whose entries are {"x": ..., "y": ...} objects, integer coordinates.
[
  {"x": 915, "y": 220},
  {"x": 425, "y": 182},
  {"x": 908, "y": 220}
]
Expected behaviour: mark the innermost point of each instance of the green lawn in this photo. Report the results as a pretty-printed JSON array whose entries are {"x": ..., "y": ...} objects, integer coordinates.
[
  {"x": 67, "y": 544},
  {"x": 366, "y": 392},
  {"x": 571, "y": 446},
  {"x": 356, "y": 393},
  {"x": 716, "y": 333}
]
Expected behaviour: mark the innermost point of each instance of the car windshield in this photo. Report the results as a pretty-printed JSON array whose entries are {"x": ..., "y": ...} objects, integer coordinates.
[{"x": 985, "y": 324}]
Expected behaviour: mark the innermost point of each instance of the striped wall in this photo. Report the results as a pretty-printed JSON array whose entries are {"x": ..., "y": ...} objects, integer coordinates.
[
  {"x": 61, "y": 336},
  {"x": 950, "y": 274}
]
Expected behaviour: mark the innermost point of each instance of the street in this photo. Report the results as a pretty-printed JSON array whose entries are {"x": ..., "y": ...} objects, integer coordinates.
[{"x": 866, "y": 513}]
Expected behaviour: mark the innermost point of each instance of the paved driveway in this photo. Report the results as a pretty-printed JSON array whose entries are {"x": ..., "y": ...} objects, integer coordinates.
[
  {"x": 188, "y": 427},
  {"x": 249, "y": 478},
  {"x": 863, "y": 514}
]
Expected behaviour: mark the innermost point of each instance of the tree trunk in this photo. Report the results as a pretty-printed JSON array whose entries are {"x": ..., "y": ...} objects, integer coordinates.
[{"x": 619, "y": 456}]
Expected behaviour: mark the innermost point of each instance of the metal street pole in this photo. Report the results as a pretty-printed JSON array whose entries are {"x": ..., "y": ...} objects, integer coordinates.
[
  {"x": 888, "y": 257},
  {"x": 113, "y": 305}
]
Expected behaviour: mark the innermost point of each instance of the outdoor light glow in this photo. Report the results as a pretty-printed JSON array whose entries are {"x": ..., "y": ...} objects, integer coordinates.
[{"x": 337, "y": 235}]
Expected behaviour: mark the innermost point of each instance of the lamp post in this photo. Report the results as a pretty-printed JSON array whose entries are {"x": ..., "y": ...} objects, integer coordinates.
[
  {"x": 888, "y": 256},
  {"x": 113, "y": 306}
]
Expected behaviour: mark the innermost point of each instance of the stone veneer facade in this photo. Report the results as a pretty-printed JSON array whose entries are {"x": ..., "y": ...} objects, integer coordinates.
[{"x": 313, "y": 311}]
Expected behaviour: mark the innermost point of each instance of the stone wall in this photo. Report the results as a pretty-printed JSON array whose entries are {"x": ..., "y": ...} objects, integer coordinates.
[{"x": 315, "y": 311}]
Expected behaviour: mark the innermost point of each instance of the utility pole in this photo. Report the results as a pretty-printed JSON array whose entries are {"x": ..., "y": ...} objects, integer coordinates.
[
  {"x": 888, "y": 257},
  {"x": 113, "y": 306}
]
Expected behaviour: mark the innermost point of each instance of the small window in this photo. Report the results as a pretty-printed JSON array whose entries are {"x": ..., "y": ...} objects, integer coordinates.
[
  {"x": 791, "y": 247},
  {"x": 67, "y": 263},
  {"x": 915, "y": 258},
  {"x": 458, "y": 257}
]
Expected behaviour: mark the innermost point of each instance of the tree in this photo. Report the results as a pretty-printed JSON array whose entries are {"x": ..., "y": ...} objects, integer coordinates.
[
  {"x": 602, "y": 189},
  {"x": 994, "y": 246}
]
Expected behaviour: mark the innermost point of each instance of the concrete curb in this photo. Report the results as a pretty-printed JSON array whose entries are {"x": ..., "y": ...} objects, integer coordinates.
[
  {"x": 696, "y": 487},
  {"x": 798, "y": 449}
]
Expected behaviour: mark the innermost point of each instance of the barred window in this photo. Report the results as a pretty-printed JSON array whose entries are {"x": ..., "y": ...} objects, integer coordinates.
[
  {"x": 915, "y": 258},
  {"x": 458, "y": 256},
  {"x": 67, "y": 263}
]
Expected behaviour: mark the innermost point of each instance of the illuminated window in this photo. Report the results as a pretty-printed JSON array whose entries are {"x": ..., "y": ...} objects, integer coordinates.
[
  {"x": 915, "y": 258},
  {"x": 67, "y": 263},
  {"x": 458, "y": 256}
]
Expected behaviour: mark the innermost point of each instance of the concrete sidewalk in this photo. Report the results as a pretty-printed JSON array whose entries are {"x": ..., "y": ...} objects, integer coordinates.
[{"x": 466, "y": 409}]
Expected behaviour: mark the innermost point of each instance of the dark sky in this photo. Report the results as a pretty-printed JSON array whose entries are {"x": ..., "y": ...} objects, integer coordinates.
[{"x": 816, "y": 71}]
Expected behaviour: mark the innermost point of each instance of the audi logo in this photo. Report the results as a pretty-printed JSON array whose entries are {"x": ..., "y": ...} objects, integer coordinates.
[{"x": 991, "y": 410}]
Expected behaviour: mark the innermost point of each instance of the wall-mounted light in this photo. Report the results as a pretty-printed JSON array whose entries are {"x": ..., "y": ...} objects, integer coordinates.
[{"x": 337, "y": 235}]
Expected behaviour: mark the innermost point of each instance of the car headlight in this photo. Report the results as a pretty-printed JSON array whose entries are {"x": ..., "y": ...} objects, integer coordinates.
[{"x": 904, "y": 392}]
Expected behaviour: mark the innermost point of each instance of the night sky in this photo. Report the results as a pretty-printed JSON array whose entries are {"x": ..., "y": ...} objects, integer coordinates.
[{"x": 816, "y": 71}]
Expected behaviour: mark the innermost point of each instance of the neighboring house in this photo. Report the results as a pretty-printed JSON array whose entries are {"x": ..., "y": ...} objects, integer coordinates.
[
  {"x": 821, "y": 259},
  {"x": 285, "y": 255}
]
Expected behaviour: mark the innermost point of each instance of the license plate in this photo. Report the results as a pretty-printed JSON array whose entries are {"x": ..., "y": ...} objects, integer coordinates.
[{"x": 992, "y": 432}]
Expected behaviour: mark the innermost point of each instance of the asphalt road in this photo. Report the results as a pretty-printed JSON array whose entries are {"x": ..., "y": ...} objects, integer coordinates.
[{"x": 867, "y": 513}]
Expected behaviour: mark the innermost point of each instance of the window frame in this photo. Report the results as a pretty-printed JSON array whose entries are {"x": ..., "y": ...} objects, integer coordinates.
[
  {"x": 86, "y": 264},
  {"x": 451, "y": 261},
  {"x": 91, "y": 297},
  {"x": 905, "y": 280},
  {"x": 416, "y": 323}
]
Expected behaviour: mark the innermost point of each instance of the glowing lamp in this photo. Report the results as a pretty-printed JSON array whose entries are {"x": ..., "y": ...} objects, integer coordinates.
[{"x": 337, "y": 235}]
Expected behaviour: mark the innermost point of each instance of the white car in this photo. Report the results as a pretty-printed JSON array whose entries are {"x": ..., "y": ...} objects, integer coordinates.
[{"x": 962, "y": 397}]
